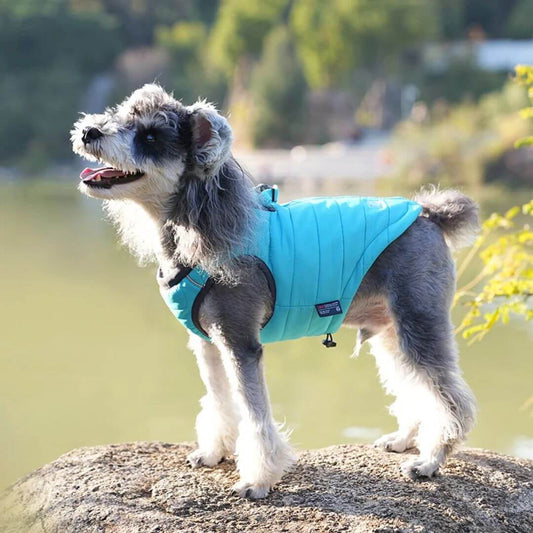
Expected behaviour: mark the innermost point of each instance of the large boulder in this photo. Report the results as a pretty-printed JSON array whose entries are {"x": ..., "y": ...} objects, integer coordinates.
[{"x": 148, "y": 488}]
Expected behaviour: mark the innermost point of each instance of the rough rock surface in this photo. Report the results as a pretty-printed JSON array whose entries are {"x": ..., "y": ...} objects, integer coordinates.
[{"x": 147, "y": 487}]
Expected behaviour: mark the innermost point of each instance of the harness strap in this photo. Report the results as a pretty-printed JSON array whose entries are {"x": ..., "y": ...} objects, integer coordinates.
[{"x": 184, "y": 289}]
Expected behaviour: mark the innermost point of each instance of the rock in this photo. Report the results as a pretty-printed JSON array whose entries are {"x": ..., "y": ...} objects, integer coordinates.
[{"x": 148, "y": 488}]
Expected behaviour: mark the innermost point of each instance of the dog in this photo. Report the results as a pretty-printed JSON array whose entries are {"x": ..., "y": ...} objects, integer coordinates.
[{"x": 177, "y": 196}]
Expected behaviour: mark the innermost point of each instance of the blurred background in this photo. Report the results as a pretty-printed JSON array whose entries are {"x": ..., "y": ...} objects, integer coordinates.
[{"x": 325, "y": 97}]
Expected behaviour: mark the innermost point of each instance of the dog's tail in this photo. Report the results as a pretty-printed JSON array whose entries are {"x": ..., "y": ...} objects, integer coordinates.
[{"x": 453, "y": 212}]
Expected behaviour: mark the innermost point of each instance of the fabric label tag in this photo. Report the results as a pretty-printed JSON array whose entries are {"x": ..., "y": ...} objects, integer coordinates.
[{"x": 329, "y": 308}]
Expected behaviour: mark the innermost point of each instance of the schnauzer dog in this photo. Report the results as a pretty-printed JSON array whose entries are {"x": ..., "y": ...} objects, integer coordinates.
[{"x": 179, "y": 198}]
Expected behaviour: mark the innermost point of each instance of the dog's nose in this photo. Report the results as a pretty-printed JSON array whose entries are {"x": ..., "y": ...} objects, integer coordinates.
[{"x": 91, "y": 134}]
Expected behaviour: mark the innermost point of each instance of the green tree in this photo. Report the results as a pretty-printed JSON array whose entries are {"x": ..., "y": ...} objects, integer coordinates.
[
  {"x": 138, "y": 19},
  {"x": 278, "y": 92},
  {"x": 335, "y": 37},
  {"x": 190, "y": 75},
  {"x": 451, "y": 15},
  {"x": 240, "y": 29},
  {"x": 43, "y": 78},
  {"x": 491, "y": 15},
  {"x": 519, "y": 23}
]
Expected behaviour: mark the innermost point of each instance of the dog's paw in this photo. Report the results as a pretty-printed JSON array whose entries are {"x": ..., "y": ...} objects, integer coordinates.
[
  {"x": 199, "y": 458},
  {"x": 250, "y": 490},
  {"x": 394, "y": 442},
  {"x": 419, "y": 469}
]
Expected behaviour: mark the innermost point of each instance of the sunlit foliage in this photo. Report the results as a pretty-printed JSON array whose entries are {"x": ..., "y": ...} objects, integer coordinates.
[
  {"x": 456, "y": 145},
  {"x": 504, "y": 286}
]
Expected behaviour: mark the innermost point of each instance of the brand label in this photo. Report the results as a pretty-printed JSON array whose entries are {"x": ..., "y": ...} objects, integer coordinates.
[{"x": 329, "y": 308}]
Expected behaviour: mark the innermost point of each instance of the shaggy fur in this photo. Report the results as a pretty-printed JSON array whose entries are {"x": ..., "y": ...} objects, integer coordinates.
[{"x": 178, "y": 197}]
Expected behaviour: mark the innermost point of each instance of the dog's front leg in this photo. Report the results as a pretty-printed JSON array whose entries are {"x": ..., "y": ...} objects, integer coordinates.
[
  {"x": 217, "y": 422},
  {"x": 263, "y": 452}
]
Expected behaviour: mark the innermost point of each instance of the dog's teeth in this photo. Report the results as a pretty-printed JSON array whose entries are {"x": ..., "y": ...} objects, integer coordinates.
[{"x": 97, "y": 178}]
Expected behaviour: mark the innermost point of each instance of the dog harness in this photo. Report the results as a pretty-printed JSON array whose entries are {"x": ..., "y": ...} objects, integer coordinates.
[{"x": 314, "y": 254}]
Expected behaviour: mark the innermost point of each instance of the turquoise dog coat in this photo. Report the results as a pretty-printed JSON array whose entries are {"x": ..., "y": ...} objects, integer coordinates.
[{"x": 314, "y": 253}]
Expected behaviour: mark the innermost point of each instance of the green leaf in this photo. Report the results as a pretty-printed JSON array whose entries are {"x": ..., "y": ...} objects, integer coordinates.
[
  {"x": 526, "y": 112},
  {"x": 527, "y": 209},
  {"x": 526, "y": 141},
  {"x": 513, "y": 211}
]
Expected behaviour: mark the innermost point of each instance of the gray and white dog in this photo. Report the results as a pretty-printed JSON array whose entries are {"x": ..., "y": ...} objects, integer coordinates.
[{"x": 178, "y": 197}]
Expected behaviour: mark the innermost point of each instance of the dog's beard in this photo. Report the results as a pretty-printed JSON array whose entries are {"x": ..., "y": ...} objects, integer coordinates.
[{"x": 137, "y": 229}]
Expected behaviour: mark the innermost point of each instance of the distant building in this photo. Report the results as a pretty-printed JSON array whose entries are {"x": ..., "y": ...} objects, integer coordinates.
[
  {"x": 492, "y": 55},
  {"x": 503, "y": 54}
]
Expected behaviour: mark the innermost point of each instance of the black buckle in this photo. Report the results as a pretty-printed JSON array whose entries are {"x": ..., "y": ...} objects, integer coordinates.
[
  {"x": 328, "y": 342},
  {"x": 264, "y": 187}
]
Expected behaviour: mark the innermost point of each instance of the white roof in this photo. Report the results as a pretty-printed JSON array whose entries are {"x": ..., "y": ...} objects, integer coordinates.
[{"x": 503, "y": 54}]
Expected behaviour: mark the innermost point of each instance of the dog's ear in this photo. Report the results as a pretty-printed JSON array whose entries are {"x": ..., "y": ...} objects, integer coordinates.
[{"x": 211, "y": 138}]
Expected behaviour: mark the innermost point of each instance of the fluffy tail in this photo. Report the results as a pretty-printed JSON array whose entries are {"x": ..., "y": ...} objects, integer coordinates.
[{"x": 453, "y": 212}]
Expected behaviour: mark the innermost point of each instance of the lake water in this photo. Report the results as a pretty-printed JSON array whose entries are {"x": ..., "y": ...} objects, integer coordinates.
[{"x": 89, "y": 354}]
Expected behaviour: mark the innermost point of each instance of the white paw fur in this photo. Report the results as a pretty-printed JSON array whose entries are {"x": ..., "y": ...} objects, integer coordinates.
[
  {"x": 395, "y": 442},
  {"x": 200, "y": 458},
  {"x": 251, "y": 491},
  {"x": 419, "y": 468}
]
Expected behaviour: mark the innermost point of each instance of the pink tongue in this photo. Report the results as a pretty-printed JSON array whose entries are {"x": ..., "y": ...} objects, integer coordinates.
[{"x": 104, "y": 172}]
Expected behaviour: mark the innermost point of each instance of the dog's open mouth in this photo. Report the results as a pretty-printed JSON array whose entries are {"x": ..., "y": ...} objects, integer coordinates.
[{"x": 106, "y": 177}]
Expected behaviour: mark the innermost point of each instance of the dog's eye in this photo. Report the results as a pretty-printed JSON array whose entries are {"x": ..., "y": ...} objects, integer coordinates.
[{"x": 150, "y": 138}]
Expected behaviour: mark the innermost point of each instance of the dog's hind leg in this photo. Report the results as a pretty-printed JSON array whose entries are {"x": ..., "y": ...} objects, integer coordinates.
[
  {"x": 429, "y": 385},
  {"x": 217, "y": 422},
  {"x": 397, "y": 381},
  {"x": 416, "y": 352},
  {"x": 263, "y": 452},
  {"x": 447, "y": 416}
]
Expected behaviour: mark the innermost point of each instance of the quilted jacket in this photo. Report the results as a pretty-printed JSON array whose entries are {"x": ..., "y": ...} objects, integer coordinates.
[{"x": 314, "y": 253}]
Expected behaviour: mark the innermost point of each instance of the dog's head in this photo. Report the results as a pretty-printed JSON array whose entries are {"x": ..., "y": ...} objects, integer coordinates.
[{"x": 147, "y": 143}]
